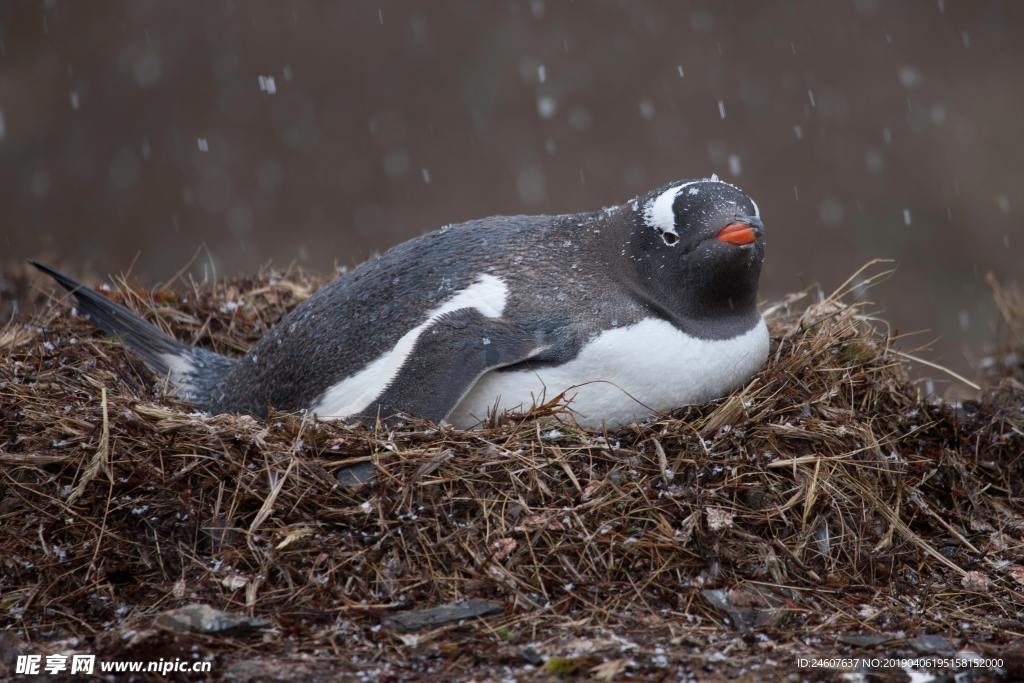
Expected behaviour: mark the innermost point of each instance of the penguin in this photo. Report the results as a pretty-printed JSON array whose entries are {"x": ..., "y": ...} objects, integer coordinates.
[{"x": 631, "y": 310}]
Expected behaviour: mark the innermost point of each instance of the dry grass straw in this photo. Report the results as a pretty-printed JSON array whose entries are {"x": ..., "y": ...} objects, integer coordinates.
[
  {"x": 1007, "y": 357},
  {"x": 828, "y": 493}
]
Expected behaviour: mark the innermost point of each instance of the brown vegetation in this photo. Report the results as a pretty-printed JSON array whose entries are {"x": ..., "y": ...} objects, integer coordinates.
[{"x": 828, "y": 507}]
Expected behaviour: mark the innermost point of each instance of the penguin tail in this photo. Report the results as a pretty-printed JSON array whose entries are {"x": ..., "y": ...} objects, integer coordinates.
[{"x": 194, "y": 373}]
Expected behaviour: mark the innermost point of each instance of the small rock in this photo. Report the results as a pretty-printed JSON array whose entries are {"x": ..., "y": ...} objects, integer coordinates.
[
  {"x": 206, "y": 619},
  {"x": 976, "y": 581},
  {"x": 932, "y": 644},
  {"x": 356, "y": 475},
  {"x": 444, "y": 614}
]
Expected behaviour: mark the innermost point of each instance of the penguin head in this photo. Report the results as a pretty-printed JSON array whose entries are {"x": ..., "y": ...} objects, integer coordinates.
[{"x": 700, "y": 244}]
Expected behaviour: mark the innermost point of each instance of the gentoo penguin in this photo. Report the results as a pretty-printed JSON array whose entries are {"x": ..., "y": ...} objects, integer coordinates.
[{"x": 634, "y": 309}]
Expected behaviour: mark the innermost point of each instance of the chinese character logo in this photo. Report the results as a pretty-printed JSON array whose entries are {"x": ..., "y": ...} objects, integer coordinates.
[{"x": 83, "y": 664}]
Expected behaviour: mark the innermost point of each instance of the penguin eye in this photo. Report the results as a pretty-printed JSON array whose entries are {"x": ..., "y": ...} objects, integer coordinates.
[{"x": 670, "y": 238}]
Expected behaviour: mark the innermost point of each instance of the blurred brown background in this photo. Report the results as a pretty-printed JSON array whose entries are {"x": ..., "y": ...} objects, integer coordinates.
[{"x": 321, "y": 132}]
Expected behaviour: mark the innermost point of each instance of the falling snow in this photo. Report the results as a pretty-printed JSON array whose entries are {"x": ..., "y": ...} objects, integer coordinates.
[
  {"x": 546, "y": 106},
  {"x": 267, "y": 84},
  {"x": 910, "y": 77},
  {"x": 735, "y": 166}
]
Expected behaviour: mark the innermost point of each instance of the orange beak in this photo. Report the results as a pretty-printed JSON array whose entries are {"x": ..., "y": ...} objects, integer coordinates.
[{"x": 737, "y": 233}]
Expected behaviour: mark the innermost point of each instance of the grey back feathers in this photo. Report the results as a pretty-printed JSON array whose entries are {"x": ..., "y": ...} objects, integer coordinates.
[{"x": 361, "y": 316}]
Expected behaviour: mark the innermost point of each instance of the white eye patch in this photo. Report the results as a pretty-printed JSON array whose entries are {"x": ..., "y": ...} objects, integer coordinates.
[{"x": 660, "y": 214}]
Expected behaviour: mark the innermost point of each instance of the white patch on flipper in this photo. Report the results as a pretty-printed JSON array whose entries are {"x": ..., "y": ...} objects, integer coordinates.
[
  {"x": 653, "y": 361},
  {"x": 356, "y": 393},
  {"x": 180, "y": 370}
]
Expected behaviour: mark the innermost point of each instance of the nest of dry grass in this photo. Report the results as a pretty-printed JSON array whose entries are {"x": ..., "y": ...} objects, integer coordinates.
[{"x": 827, "y": 497}]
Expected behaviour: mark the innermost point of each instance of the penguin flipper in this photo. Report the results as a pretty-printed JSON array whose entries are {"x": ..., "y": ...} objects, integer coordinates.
[
  {"x": 450, "y": 358},
  {"x": 193, "y": 372}
]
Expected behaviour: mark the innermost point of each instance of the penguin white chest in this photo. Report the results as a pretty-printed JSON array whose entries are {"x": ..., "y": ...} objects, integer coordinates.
[{"x": 626, "y": 374}]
